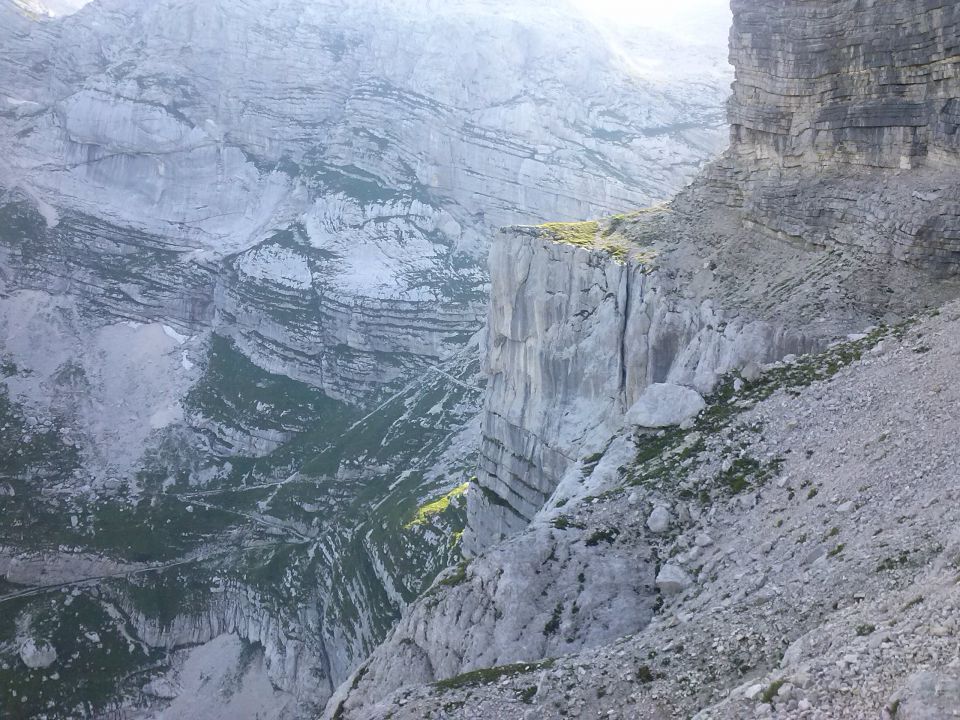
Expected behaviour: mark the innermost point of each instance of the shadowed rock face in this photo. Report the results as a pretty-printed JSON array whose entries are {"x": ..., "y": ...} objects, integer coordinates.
[
  {"x": 845, "y": 83},
  {"x": 844, "y": 123}
]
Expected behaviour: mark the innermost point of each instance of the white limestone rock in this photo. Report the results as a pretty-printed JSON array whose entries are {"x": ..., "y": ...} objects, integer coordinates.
[
  {"x": 659, "y": 520},
  {"x": 673, "y": 579},
  {"x": 575, "y": 337},
  {"x": 398, "y": 169},
  {"x": 663, "y": 405}
]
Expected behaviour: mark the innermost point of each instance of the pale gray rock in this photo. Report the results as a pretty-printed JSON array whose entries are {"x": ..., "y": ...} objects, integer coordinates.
[
  {"x": 519, "y": 602},
  {"x": 751, "y": 371},
  {"x": 838, "y": 158},
  {"x": 928, "y": 696},
  {"x": 659, "y": 520},
  {"x": 325, "y": 201},
  {"x": 37, "y": 655},
  {"x": 673, "y": 579},
  {"x": 312, "y": 187},
  {"x": 662, "y": 405},
  {"x": 833, "y": 133},
  {"x": 575, "y": 336}
]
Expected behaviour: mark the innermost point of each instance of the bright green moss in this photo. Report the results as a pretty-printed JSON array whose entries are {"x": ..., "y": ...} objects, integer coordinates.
[
  {"x": 581, "y": 234},
  {"x": 601, "y": 235},
  {"x": 425, "y": 512}
]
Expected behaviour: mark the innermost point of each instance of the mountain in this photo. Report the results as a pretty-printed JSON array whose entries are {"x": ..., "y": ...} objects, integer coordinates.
[
  {"x": 715, "y": 479},
  {"x": 242, "y": 282}
]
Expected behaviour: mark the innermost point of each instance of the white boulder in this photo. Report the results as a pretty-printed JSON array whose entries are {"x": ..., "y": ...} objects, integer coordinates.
[
  {"x": 672, "y": 580},
  {"x": 659, "y": 520},
  {"x": 664, "y": 404}
]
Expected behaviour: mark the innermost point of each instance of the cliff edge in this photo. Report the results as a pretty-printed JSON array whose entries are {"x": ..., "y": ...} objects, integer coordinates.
[{"x": 685, "y": 461}]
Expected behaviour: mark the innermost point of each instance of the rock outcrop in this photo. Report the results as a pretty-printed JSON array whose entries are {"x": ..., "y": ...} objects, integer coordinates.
[
  {"x": 833, "y": 146},
  {"x": 575, "y": 336},
  {"x": 241, "y": 268},
  {"x": 831, "y": 213},
  {"x": 844, "y": 124},
  {"x": 827, "y": 590},
  {"x": 810, "y": 299},
  {"x": 339, "y": 124}
]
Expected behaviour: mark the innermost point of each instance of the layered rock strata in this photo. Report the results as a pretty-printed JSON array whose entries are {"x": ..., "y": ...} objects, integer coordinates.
[
  {"x": 831, "y": 213},
  {"x": 844, "y": 124},
  {"x": 338, "y": 120}
]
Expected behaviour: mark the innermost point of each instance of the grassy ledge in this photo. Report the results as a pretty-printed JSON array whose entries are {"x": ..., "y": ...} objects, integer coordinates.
[
  {"x": 486, "y": 676},
  {"x": 601, "y": 235},
  {"x": 436, "y": 507}
]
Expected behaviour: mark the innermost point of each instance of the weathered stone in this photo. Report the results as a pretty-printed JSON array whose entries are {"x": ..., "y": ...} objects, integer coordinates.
[
  {"x": 929, "y": 696},
  {"x": 703, "y": 540},
  {"x": 662, "y": 405},
  {"x": 37, "y": 655},
  {"x": 673, "y": 579},
  {"x": 659, "y": 520},
  {"x": 838, "y": 156}
]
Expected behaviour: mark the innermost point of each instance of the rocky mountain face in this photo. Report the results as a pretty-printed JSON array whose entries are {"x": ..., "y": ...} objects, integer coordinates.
[
  {"x": 687, "y": 503},
  {"x": 194, "y": 147},
  {"x": 825, "y": 151},
  {"x": 242, "y": 275},
  {"x": 849, "y": 141}
]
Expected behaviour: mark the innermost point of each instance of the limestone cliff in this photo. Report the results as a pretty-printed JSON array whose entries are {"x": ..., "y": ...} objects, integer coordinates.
[
  {"x": 836, "y": 145},
  {"x": 831, "y": 213},
  {"x": 339, "y": 124},
  {"x": 844, "y": 122},
  {"x": 241, "y": 274},
  {"x": 574, "y": 337}
]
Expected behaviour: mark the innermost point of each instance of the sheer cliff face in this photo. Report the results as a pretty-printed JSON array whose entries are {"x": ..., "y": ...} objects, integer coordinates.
[
  {"x": 225, "y": 227},
  {"x": 843, "y": 136},
  {"x": 845, "y": 125},
  {"x": 396, "y": 135},
  {"x": 834, "y": 210},
  {"x": 574, "y": 338}
]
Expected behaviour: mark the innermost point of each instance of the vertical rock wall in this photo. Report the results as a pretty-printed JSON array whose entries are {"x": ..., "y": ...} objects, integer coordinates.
[
  {"x": 844, "y": 125},
  {"x": 574, "y": 336}
]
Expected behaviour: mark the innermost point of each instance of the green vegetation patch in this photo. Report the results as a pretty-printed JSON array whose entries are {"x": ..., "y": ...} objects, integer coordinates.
[
  {"x": 603, "y": 236},
  {"x": 487, "y": 676},
  {"x": 770, "y": 694},
  {"x": 95, "y": 662},
  {"x": 581, "y": 234},
  {"x": 436, "y": 507},
  {"x": 664, "y": 459},
  {"x": 457, "y": 577},
  {"x": 553, "y": 624}
]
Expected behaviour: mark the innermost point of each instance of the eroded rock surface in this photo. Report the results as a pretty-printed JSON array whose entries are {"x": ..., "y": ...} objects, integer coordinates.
[{"x": 806, "y": 569}]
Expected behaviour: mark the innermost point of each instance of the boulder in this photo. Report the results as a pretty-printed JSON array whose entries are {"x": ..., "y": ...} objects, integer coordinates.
[
  {"x": 664, "y": 405},
  {"x": 659, "y": 520},
  {"x": 37, "y": 655},
  {"x": 672, "y": 580}
]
